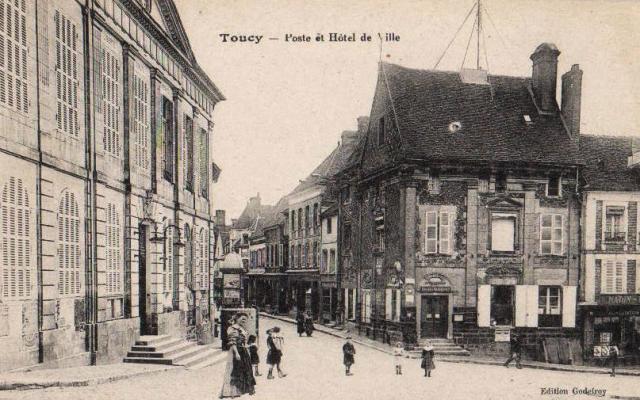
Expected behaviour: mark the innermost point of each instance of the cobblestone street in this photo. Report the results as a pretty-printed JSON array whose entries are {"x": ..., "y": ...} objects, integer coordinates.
[{"x": 315, "y": 371}]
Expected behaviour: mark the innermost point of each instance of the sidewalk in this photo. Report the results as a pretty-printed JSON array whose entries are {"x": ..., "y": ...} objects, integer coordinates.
[
  {"x": 364, "y": 341},
  {"x": 76, "y": 376}
]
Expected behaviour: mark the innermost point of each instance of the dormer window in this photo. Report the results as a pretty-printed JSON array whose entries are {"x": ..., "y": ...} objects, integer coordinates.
[
  {"x": 501, "y": 183},
  {"x": 455, "y": 126},
  {"x": 553, "y": 186},
  {"x": 527, "y": 119}
]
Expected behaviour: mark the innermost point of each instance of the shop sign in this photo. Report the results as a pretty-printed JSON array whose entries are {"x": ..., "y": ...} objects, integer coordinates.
[
  {"x": 434, "y": 289},
  {"x": 231, "y": 281},
  {"x": 601, "y": 351},
  {"x": 619, "y": 299},
  {"x": 503, "y": 334}
]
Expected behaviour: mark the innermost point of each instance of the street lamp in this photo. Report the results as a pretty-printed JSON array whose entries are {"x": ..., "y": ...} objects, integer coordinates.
[{"x": 156, "y": 238}]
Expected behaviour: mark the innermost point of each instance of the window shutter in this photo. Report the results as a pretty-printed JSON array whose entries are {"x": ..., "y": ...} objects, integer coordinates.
[
  {"x": 598, "y": 277},
  {"x": 631, "y": 276},
  {"x": 632, "y": 225},
  {"x": 521, "y": 305},
  {"x": 398, "y": 303},
  {"x": 484, "y": 305},
  {"x": 598, "y": 229},
  {"x": 445, "y": 232},
  {"x": 387, "y": 304},
  {"x": 431, "y": 234},
  {"x": 569, "y": 306},
  {"x": 619, "y": 277},
  {"x": 354, "y": 302},
  {"x": 532, "y": 306}
]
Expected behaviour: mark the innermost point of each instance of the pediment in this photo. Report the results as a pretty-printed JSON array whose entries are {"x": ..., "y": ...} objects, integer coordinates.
[{"x": 504, "y": 202}]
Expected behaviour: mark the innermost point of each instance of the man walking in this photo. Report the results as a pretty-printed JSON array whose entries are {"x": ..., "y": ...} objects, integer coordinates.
[{"x": 515, "y": 351}]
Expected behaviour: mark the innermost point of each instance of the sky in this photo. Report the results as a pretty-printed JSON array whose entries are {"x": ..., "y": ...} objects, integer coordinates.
[{"x": 288, "y": 102}]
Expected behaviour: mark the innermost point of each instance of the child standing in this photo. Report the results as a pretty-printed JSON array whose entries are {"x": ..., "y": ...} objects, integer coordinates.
[
  {"x": 274, "y": 356},
  {"x": 427, "y": 359},
  {"x": 348, "y": 351},
  {"x": 253, "y": 353},
  {"x": 398, "y": 355}
]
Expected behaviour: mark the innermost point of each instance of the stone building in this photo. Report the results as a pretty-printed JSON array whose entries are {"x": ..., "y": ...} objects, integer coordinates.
[
  {"x": 460, "y": 220},
  {"x": 609, "y": 298},
  {"x": 106, "y": 211}
]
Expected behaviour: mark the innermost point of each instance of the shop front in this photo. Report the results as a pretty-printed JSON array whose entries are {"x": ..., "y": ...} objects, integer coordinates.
[
  {"x": 614, "y": 321},
  {"x": 304, "y": 294}
]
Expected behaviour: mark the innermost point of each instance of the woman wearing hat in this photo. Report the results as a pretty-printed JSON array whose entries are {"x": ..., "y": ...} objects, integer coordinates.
[
  {"x": 238, "y": 378},
  {"x": 427, "y": 359},
  {"x": 348, "y": 352},
  {"x": 274, "y": 356}
]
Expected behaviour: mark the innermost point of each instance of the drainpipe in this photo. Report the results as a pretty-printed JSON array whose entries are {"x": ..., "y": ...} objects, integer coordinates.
[{"x": 39, "y": 200}]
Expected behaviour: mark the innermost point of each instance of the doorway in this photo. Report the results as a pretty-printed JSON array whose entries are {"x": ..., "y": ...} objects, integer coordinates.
[
  {"x": 434, "y": 316},
  {"x": 144, "y": 281},
  {"x": 502, "y": 304}
]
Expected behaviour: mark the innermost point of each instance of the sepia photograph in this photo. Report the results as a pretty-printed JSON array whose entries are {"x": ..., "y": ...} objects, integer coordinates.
[{"x": 338, "y": 199}]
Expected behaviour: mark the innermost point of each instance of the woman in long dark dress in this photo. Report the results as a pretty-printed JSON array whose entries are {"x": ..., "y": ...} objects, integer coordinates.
[
  {"x": 238, "y": 378},
  {"x": 308, "y": 324},
  {"x": 300, "y": 323},
  {"x": 427, "y": 360},
  {"x": 348, "y": 358}
]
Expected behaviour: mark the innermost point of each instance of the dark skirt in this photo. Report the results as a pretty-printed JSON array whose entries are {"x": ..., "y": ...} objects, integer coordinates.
[
  {"x": 300, "y": 326},
  {"x": 427, "y": 363},
  {"x": 274, "y": 356},
  {"x": 239, "y": 375},
  {"x": 308, "y": 327},
  {"x": 255, "y": 358},
  {"x": 349, "y": 360}
]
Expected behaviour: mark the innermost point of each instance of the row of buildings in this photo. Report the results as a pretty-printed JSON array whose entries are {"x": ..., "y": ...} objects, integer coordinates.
[
  {"x": 107, "y": 225},
  {"x": 465, "y": 205}
]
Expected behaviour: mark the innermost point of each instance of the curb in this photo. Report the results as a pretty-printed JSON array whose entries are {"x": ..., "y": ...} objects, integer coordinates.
[
  {"x": 550, "y": 367},
  {"x": 79, "y": 383}
]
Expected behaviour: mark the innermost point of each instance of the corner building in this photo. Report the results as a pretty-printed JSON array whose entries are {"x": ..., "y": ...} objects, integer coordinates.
[
  {"x": 105, "y": 188},
  {"x": 461, "y": 217}
]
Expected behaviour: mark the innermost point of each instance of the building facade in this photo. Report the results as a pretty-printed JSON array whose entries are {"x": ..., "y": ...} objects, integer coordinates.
[
  {"x": 609, "y": 300},
  {"x": 106, "y": 125},
  {"x": 461, "y": 218}
]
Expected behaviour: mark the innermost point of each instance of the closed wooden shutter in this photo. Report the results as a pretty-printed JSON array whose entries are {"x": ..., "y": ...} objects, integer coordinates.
[
  {"x": 598, "y": 227},
  {"x": 13, "y": 55},
  {"x": 631, "y": 276},
  {"x": 445, "y": 232},
  {"x": 431, "y": 234},
  {"x": 532, "y": 306},
  {"x": 113, "y": 251},
  {"x": 66, "y": 74},
  {"x": 398, "y": 304},
  {"x": 569, "y": 306},
  {"x": 598, "y": 277},
  {"x": 521, "y": 305},
  {"x": 69, "y": 265},
  {"x": 484, "y": 305},
  {"x": 632, "y": 225},
  {"x": 111, "y": 95},
  {"x": 388, "y": 304}
]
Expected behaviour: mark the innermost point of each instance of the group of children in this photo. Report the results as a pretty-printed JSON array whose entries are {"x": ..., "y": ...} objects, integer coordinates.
[
  {"x": 399, "y": 354},
  {"x": 275, "y": 346}
]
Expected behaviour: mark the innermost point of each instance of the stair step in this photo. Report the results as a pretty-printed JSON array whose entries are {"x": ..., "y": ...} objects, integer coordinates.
[
  {"x": 200, "y": 356},
  {"x": 147, "y": 360},
  {"x": 158, "y": 346},
  {"x": 147, "y": 340},
  {"x": 177, "y": 358},
  {"x": 209, "y": 361}
]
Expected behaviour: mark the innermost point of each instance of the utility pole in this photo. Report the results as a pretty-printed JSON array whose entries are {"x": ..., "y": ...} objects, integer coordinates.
[{"x": 478, "y": 34}]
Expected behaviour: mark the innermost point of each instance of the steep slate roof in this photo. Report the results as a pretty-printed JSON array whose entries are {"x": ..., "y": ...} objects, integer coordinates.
[
  {"x": 606, "y": 163},
  {"x": 254, "y": 211},
  {"x": 492, "y": 117},
  {"x": 276, "y": 215}
]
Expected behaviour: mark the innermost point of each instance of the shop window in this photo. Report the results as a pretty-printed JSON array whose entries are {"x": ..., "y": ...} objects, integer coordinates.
[
  {"x": 503, "y": 232},
  {"x": 549, "y": 306},
  {"x": 502, "y": 305},
  {"x": 551, "y": 226},
  {"x": 615, "y": 229}
]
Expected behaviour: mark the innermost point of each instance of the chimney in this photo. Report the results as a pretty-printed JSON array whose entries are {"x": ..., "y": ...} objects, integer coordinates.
[
  {"x": 349, "y": 137},
  {"x": 544, "y": 75},
  {"x": 234, "y": 221},
  {"x": 363, "y": 124},
  {"x": 571, "y": 98},
  {"x": 221, "y": 218},
  {"x": 255, "y": 201}
]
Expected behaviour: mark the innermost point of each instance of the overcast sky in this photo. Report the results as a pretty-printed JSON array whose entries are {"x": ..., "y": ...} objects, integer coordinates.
[{"x": 287, "y": 103}]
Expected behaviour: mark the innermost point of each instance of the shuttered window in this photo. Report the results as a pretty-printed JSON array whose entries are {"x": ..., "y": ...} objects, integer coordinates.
[
  {"x": 13, "y": 55},
  {"x": 113, "y": 250},
  {"x": 439, "y": 232},
  {"x": 188, "y": 153},
  {"x": 169, "y": 259},
  {"x": 140, "y": 123},
  {"x": 614, "y": 276},
  {"x": 188, "y": 257},
  {"x": 111, "y": 101},
  {"x": 18, "y": 267},
  {"x": 202, "y": 257},
  {"x": 204, "y": 161},
  {"x": 366, "y": 306},
  {"x": 67, "y": 59},
  {"x": 167, "y": 134},
  {"x": 69, "y": 265}
]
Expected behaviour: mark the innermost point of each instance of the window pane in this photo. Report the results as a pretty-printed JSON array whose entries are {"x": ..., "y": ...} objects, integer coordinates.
[
  {"x": 557, "y": 234},
  {"x": 502, "y": 234},
  {"x": 431, "y": 246},
  {"x": 431, "y": 232},
  {"x": 546, "y": 248},
  {"x": 546, "y": 220},
  {"x": 546, "y": 234},
  {"x": 558, "y": 220},
  {"x": 431, "y": 218}
]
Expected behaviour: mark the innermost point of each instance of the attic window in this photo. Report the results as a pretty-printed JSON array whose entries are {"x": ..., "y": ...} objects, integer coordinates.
[
  {"x": 455, "y": 126},
  {"x": 527, "y": 119}
]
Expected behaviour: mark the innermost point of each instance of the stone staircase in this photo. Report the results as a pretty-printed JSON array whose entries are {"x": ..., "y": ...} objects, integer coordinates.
[
  {"x": 167, "y": 350},
  {"x": 443, "y": 347}
]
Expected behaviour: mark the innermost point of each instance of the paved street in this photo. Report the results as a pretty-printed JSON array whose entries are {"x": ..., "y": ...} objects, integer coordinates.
[{"x": 315, "y": 371}]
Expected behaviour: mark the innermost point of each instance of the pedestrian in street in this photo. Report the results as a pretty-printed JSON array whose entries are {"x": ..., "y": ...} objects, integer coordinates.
[
  {"x": 238, "y": 378},
  {"x": 308, "y": 324},
  {"x": 515, "y": 351},
  {"x": 253, "y": 352},
  {"x": 398, "y": 355},
  {"x": 614, "y": 351},
  {"x": 427, "y": 359},
  {"x": 348, "y": 352},
  {"x": 274, "y": 356},
  {"x": 300, "y": 323}
]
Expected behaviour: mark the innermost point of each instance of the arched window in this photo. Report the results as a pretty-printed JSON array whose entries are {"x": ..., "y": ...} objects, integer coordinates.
[
  {"x": 113, "y": 249},
  {"x": 69, "y": 265},
  {"x": 17, "y": 263}
]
